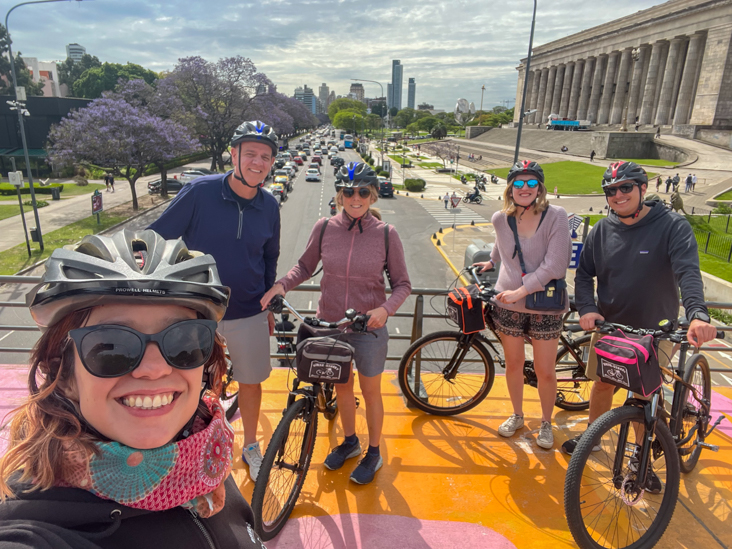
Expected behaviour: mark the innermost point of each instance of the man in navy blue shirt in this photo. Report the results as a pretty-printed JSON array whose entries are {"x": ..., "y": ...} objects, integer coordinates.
[{"x": 232, "y": 218}]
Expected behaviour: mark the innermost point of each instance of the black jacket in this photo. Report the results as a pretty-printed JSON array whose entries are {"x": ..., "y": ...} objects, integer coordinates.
[
  {"x": 71, "y": 518},
  {"x": 639, "y": 269}
]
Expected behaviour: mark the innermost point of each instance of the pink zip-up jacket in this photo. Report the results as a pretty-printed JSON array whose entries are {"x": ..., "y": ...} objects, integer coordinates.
[{"x": 353, "y": 267}]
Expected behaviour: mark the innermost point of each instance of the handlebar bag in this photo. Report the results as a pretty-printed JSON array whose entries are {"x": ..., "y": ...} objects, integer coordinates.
[
  {"x": 321, "y": 357},
  {"x": 628, "y": 361},
  {"x": 465, "y": 308}
]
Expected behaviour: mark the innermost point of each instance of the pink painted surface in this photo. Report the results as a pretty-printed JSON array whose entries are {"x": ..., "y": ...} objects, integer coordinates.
[
  {"x": 13, "y": 390},
  {"x": 722, "y": 404},
  {"x": 384, "y": 532}
]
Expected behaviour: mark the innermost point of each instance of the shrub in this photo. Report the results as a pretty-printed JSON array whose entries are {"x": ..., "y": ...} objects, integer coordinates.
[
  {"x": 415, "y": 185},
  {"x": 6, "y": 189},
  {"x": 383, "y": 173},
  {"x": 723, "y": 209},
  {"x": 81, "y": 181},
  {"x": 39, "y": 203}
]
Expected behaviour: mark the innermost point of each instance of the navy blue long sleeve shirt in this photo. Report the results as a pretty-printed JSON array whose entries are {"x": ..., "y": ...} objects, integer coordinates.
[{"x": 244, "y": 241}]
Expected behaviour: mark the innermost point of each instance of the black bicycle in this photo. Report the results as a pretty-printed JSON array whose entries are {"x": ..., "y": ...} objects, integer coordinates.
[
  {"x": 450, "y": 372},
  {"x": 622, "y": 482},
  {"x": 287, "y": 459}
]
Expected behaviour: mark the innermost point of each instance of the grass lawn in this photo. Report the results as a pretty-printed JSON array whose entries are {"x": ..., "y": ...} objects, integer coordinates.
[
  {"x": 570, "y": 177},
  {"x": 652, "y": 161},
  {"x": 430, "y": 165},
  {"x": 70, "y": 189},
  {"x": 8, "y": 210},
  {"x": 715, "y": 224},
  {"x": 724, "y": 196}
]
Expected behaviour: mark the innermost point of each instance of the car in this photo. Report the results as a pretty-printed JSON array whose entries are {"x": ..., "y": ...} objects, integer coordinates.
[
  {"x": 282, "y": 171},
  {"x": 317, "y": 151},
  {"x": 280, "y": 161},
  {"x": 278, "y": 189},
  {"x": 293, "y": 166},
  {"x": 341, "y": 147},
  {"x": 289, "y": 170},
  {"x": 314, "y": 166},
  {"x": 385, "y": 187},
  {"x": 337, "y": 161},
  {"x": 156, "y": 186},
  {"x": 189, "y": 175},
  {"x": 283, "y": 180},
  {"x": 312, "y": 175},
  {"x": 317, "y": 159},
  {"x": 298, "y": 160}
]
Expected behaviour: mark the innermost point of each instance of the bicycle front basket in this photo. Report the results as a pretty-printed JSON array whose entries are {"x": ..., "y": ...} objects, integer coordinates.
[
  {"x": 628, "y": 361},
  {"x": 322, "y": 357}
]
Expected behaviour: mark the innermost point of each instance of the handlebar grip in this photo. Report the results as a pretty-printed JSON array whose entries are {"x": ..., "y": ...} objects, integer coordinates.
[
  {"x": 573, "y": 328},
  {"x": 720, "y": 334}
]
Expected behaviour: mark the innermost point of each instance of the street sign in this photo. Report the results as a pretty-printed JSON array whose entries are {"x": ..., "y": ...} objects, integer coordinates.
[
  {"x": 97, "y": 205},
  {"x": 387, "y": 166},
  {"x": 455, "y": 201},
  {"x": 20, "y": 93},
  {"x": 576, "y": 251},
  {"x": 16, "y": 179}
]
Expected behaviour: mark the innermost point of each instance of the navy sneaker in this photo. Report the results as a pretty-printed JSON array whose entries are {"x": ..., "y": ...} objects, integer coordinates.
[
  {"x": 366, "y": 470},
  {"x": 341, "y": 453}
]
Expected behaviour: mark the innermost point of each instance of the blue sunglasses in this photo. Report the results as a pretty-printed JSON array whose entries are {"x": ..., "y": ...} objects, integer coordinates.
[{"x": 519, "y": 184}]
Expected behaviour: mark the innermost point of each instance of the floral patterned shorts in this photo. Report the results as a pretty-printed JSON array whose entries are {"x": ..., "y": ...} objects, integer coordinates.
[{"x": 536, "y": 326}]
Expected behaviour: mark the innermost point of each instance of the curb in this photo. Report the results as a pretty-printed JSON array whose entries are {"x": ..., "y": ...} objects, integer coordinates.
[{"x": 444, "y": 255}]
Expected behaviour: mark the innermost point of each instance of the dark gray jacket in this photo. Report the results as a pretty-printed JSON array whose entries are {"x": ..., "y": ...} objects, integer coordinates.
[{"x": 639, "y": 269}]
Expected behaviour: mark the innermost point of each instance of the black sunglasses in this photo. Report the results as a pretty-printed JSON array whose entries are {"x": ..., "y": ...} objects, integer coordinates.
[
  {"x": 625, "y": 188},
  {"x": 363, "y": 192},
  {"x": 110, "y": 350}
]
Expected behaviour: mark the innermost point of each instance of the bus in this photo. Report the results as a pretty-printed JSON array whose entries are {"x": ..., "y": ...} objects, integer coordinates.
[
  {"x": 348, "y": 141},
  {"x": 341, "y": 135}
]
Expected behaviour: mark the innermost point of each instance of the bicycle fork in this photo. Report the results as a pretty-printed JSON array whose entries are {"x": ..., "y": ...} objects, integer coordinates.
[{"x": 450, "y": 371}]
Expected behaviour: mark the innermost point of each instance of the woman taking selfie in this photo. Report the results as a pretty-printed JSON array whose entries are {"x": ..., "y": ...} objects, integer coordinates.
[
  {"x": 123, "y": 441},
  {"x": 534, "y": 248}
]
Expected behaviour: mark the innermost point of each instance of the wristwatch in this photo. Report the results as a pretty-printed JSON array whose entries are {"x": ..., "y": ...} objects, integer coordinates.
[{"x": 700, "y": 315}]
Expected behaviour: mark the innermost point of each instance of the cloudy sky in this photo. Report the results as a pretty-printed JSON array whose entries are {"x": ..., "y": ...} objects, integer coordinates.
[{"x": 450, "y": 47}]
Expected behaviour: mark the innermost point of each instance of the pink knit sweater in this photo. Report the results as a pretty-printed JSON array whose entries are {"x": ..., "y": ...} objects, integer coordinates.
[
  {"x": 546, "y": 255},
  {"x": 353, "y": 267}
]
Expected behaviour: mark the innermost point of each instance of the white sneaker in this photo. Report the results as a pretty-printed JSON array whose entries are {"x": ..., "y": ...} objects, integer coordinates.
[
  {"x": 511, "y": 425},
  {"x": 546, "y": 437},
  {"x": 252, "y": 456}
]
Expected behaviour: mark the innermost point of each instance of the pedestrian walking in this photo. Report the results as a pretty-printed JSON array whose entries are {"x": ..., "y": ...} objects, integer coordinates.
[
  {"x": 637, "y": 125},
  {"x": 658, "y": 183},
  {"x": 446, "y": 198},
  {"x": 687, "y": 186},
  {"x": 693, "y": 182},
  {"x": 245, "y": 242},
  {"x": 669, "y": 182},
  {"x": 111, "y": 181},
  {"x": 676, "y": 182},
  {"x": 658, "y": 132},
  {"x": 592, "y": 155},
  {"x": 106, "y": 182}
]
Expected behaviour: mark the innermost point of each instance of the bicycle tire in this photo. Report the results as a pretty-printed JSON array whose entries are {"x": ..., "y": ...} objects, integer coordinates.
[
  {"x": 573, "y": 385},
  {"x": 472, "y": 390},
  {"x": 331, "y": 410},
  {"x": 271, "y": 504},
  {"x": 696, "y": 373},
  {"x": 230, "y": 399},
  {"x": 584, "y": 475}
]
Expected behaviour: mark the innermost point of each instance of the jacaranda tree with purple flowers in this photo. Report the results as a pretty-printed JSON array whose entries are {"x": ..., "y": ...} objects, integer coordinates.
[{"x": 122, "y": 138}]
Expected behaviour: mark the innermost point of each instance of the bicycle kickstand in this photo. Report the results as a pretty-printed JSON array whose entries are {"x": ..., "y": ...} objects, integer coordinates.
[{"x": 712, "y": 447}]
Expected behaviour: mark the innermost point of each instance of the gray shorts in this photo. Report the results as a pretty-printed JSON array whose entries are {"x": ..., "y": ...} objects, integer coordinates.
[
  {"x": 248, "y": 342},
  {"x": 370, "y": 354}
]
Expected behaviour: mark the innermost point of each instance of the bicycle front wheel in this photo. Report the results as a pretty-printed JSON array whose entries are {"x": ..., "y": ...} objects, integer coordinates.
[
  {"x": 692, "y": 413},
  {"x": 284, "y": 467},
  {"x": 604, "y": 505},
  {"x": 446, "y": 373}
]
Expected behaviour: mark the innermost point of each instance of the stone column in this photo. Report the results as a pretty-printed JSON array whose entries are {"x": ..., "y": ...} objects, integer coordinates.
[
  {"x": 649, "y": 92},
  {"x": 713, "y": 92},
  {"x": 585, "y": 88},
  {"x": 536, "y": 77},
  {"x": 574, "y": 94},
  {"x": 616, "y": 115},
  {"x": 600, "y": 65},
  {"x": 680, "y": 62},
  {"x": 635, "y": 85},
  {"x": 556, "y": 98},
  {"x": 566, "y": 89},
  {"x": 546, "y": 111},
  {"x": 664, "y": 101},
  {"x": 541, "y": 96},
  {"x": 519, "y": 93},
  {"x": 607, "y": 88},
  {"x": 693, "y": 56}
]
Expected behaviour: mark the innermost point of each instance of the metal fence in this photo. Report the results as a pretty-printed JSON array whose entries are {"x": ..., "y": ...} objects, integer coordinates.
[{"x": 714, "y": 244}]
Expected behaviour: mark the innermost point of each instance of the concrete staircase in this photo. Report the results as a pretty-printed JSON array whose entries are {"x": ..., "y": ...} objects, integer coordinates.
[{"x": 578, "y": 143}]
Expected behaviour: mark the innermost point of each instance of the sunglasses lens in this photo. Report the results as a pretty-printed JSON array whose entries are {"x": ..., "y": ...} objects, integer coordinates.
[
  {"x": 110, "y": 352},
  {"x": 532, "y": 183},
  {"x": 348, "y": 193},
  {"x": 625, "y": 188},
  {"x": 364, "y": 193},
  {"x": 188, "y": 345},
  {"x": 518, "y": 184}
]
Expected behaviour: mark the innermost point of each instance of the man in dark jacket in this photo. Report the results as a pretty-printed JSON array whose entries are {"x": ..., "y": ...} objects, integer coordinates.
[
  {"x": 641, "y": 255},
  {"x": 232, "y": 218}
]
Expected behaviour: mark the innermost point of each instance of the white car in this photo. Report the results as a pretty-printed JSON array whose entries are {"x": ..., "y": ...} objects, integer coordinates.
[
  {"x": 189, "y": 175},
  {"x": 312, "y": 175}
]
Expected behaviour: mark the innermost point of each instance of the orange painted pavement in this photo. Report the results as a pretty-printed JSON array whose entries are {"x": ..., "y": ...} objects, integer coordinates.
[{"x": 454, "y": 482}]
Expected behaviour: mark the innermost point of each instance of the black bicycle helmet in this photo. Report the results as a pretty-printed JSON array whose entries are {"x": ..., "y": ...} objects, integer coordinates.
[
  {"x": 525, "y": 167},
  {"x": 624, "y": 171},
  {"x": 356, "y": 174},
  {"x": 131, "y": 267},
  {"x": 258, "y": 132}
]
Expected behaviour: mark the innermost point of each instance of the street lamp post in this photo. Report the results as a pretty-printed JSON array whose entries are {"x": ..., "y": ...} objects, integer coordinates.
[
  {"x": 380, "y": 111},
  {"x": 480, "y": 116},
  {"x": 526, "y": 86}
]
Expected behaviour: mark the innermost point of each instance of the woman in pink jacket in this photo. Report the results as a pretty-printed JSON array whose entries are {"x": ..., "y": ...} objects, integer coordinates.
[{"x": 354, "y": 253}]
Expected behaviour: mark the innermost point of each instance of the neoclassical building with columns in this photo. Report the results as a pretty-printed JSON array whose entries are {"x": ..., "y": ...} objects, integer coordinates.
[{"x": 669, "y": 65}]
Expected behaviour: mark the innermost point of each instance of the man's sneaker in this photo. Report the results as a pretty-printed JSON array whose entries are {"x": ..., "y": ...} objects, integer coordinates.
[
  {"x": 546, "y": 437},
  {"x": 569, "y": 446},
  {"x": 367, "y": 467},
  {"x": 511, "y": 425},
  {"x": 252, "y": 456},
  {"x": 653, "y": 483},
  {"x": 341, "y": 453}
]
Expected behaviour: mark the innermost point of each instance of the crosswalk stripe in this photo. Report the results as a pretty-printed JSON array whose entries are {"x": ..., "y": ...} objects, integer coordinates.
[{"x": 444, "y": 217}]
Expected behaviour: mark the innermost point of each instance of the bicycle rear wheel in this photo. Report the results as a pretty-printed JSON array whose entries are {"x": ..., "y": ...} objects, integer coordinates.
[
  {"x": 425, "y": 384},
  {"x": 691, "y": 413},
  {"x": 284, "y": 467},
  {"x": 604, "y": 507},
  {"x": 573, "y": 385}
]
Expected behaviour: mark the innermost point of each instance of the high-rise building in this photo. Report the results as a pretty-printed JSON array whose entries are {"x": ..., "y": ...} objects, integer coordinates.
[
  {"x": 389, "y": 96},
  {"x": 45, "y": 73},
  {"x": 75, "y": 52},
  {"x": 396, "y": 83},
  {"x": 357, "y": 90},
  {"x": 306, "y": 96},
  {"x": 261, "y": 89},
  {"x": 331, "y": 98},
  {"x": 323, "y": 93},
  {"x": 411, "y": 93}
]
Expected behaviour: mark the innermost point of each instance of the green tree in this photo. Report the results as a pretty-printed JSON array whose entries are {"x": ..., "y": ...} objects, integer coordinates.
[
  {"x": 96, "y": 80},
  {"x": 22, "y": 73},
  {"x": 378, "y": 107},
  {"x": 393, "y": 112},
  {"x": 349, "y": 120},
  {"x": 69, "y": 71},
  {"x": 373, "y": 121},
  {"x": 345, "y": 104},
  {"x": 426, "y": 123}
]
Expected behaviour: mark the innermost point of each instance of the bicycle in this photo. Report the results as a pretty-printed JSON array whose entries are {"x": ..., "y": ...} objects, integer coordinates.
[
  {"x": 609, "y": 498},
  {"x": 450, "y": 372},
  {"x": 287, "y": 459}
]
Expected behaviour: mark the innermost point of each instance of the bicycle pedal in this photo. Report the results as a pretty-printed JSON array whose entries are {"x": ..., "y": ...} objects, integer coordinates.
[{"x": 712, "y": 447}]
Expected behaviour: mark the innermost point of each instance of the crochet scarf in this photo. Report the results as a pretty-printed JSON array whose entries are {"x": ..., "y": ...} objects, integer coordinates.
[{"x": 188, "y": 473}]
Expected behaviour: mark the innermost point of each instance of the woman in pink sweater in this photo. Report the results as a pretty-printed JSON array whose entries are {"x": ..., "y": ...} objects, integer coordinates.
[
  {"x": 353, "y": 251},
  {"x": 547, "y": 248}
]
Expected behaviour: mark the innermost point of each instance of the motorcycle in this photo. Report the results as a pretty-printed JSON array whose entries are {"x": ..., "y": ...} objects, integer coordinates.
[
  {"x": 481, "y": 184},
  {"x": 463, "y": 180},
  {"x": 494, "y": 179},
  {"x": 472, "y": 198},
  {"x": 333, "y": 209}
]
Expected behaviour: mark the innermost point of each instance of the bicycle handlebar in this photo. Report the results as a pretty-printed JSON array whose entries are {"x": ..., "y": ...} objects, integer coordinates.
[
  {"x": 358, "y": 321},
  {"x": 676, "y": 336},
  {"x": 487, "y": 290}
]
